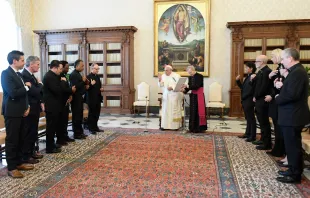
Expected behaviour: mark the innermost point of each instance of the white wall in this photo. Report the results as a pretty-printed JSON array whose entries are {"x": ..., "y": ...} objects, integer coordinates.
[{"x": 63, "y": 14}]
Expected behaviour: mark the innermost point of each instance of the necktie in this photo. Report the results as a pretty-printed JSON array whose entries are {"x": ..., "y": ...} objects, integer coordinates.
[
  {"x": 34, "y": 78},
  {"x": 20, "y": 76}
]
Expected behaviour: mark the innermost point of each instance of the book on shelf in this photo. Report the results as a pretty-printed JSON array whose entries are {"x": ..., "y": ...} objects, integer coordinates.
[
  {"x": 114, "y": 46},
  {"x": 54, "y": 48},
  {"x": 71, "y": 69},
  {"x": 95, "y": 57},
  {"x": 114, "y": 81},
  {"x": 113, "y": 103},
  {"x": 114, "y": 57},
  {"x": 251, "y": 55},
  {"x": 304, "y": 41},
  {"x": 54, "y": 57},
  {"x": 72, "y": 47},
  {"x": 96, "y": 46},
  {"x": 114, "y": 70},
  {"x": 72, "y": 57},
  {"x": 253, "y": 42},
  {"x": 276, "y": 42},
  {"x": 304, "y": 54},
  {"x": 272, "y": 66}
]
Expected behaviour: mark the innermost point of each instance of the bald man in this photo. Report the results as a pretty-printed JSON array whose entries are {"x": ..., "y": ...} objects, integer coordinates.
[
  {"x": 94, "y": 99},
  {"x": 262, "y": 90}
]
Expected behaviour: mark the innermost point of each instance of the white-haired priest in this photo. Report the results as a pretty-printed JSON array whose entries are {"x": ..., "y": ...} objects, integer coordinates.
[{"x": 171, "y": 114}]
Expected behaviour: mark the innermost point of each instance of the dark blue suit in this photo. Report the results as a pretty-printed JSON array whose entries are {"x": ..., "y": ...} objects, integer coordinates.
[
  {"x": 14, "y": 105},
  {"x": 35, "y": 96}
]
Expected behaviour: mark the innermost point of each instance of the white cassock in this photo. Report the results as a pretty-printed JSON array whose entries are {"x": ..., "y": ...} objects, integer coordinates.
[{"x": 171, "y": 113}]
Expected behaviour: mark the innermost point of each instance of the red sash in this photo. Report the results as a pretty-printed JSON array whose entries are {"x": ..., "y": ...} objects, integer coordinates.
[{"x": 201, "y": 106}]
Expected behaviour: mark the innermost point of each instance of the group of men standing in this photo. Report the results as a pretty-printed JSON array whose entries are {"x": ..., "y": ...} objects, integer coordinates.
[
  {"x": 282, "y": 95},
  {"x": 25, "y": 97},
  {"x": 172, "y": 100}
]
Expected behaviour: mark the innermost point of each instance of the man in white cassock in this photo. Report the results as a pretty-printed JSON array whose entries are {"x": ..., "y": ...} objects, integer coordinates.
[{"x": 171, "y": 114}]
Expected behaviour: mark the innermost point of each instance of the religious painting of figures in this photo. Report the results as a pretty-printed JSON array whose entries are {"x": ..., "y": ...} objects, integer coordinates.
[{"x": 181, "y": 36}]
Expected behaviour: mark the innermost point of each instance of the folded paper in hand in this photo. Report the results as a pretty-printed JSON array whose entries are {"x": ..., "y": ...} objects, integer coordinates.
[{"x": 180, "y": 82}]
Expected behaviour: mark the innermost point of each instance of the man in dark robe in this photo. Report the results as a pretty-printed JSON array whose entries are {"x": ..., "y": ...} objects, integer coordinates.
[
  {"x": 197, "y": 115},
  {"x": 67, "y": 98},
  {"x": 94, "y": 99},
  {"x": 77, "y": 102}
]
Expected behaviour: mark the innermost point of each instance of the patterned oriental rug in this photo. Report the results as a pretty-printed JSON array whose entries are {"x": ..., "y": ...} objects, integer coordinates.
[{"x": 132, "y": 163}]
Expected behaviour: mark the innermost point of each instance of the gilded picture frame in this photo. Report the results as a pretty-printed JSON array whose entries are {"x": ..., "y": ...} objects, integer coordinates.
[{"x": 182, "y": 35}]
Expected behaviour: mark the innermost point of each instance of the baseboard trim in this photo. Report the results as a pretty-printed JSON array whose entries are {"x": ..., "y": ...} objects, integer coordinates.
[{"x": 213, "y": 111}]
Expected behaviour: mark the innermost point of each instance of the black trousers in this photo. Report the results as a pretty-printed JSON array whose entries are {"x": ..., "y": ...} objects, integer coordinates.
[
  {"x": 52, "y": 126},
  {"x": 14, "y": 140},
  {"x": 248, "y": 108},
  {"x": 263, "y": 118},
  {"x": 93, "y": 115},
  {"x": 293, "y": 148},
  {"x": 279, "y": 149},
  {"x": 30, "y": 134},
  {"x": 64, "y": 121},
  {"x": 77, "y": 114}
]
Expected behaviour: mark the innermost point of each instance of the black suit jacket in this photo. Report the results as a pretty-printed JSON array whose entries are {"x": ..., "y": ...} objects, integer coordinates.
[
  {"x": 35, "y": 93},
  {"x": 15, "y": 97},
  {"x": 77, "y": 81},
  {"x": 262, "y": 83},
  {"x": 52, "y": 92},
  {"x": 247, "y": 88},
  {"x": 293, "y": 98},
  {"x": 66, "y": 90},
  {"x": 93, "y": 95}
]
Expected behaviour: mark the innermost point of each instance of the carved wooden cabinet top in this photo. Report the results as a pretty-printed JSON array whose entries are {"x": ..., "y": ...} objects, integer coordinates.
[
  {"x": 268, "y": 23},
  {"x": 81, "y": 30}
]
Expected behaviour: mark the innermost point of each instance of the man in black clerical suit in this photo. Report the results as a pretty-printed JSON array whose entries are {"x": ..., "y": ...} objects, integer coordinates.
[
  {"x": 94, "y": 99},
  {"x": 66, "y": 99},
  {"x": 293, "y": 113},
  {"x": 52, "y": 97},
  {"x": 262, "y": 89},
  {"x": 77, "y": 99},
  {"x": 247, "y": 92},
  {"x": 35, "y": 96},
  {"x": 62, "y": 133},
  {"x": 197, "y": 115},
  {"x": 15, "y": 107}
]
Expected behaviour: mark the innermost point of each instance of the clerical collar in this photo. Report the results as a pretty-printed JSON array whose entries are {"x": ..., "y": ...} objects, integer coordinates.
[{"x": 292, "y": 68}]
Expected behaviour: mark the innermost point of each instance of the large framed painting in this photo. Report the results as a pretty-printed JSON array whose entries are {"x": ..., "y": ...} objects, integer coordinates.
[{"x": 182, "y": 31}]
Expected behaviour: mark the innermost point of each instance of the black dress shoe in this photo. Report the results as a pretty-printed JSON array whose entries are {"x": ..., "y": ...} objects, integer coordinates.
[
  {"x": 69, "y": 139},
  {"x": 285, "y": 173},
  {"x": 79, "y": 137},
  {"x": 62, "y": 143},
  {"x": 58, "y": 146},
  {"x": 262, "y": 147},
  {"x": 93, "y": 132},
  {"x": 55, "y": 150},
  {"x": 257, "y": 142},
  {"x": 99, "y": 130},
  {"x": 249, "y": 140},
  {"x": 30, "y": 161},
  {"x": 288, "y": 179},
  {"x": 284, "y": 165},
  {"x": 242, "y": 136},
  {"x": 37, "y": 155}
]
